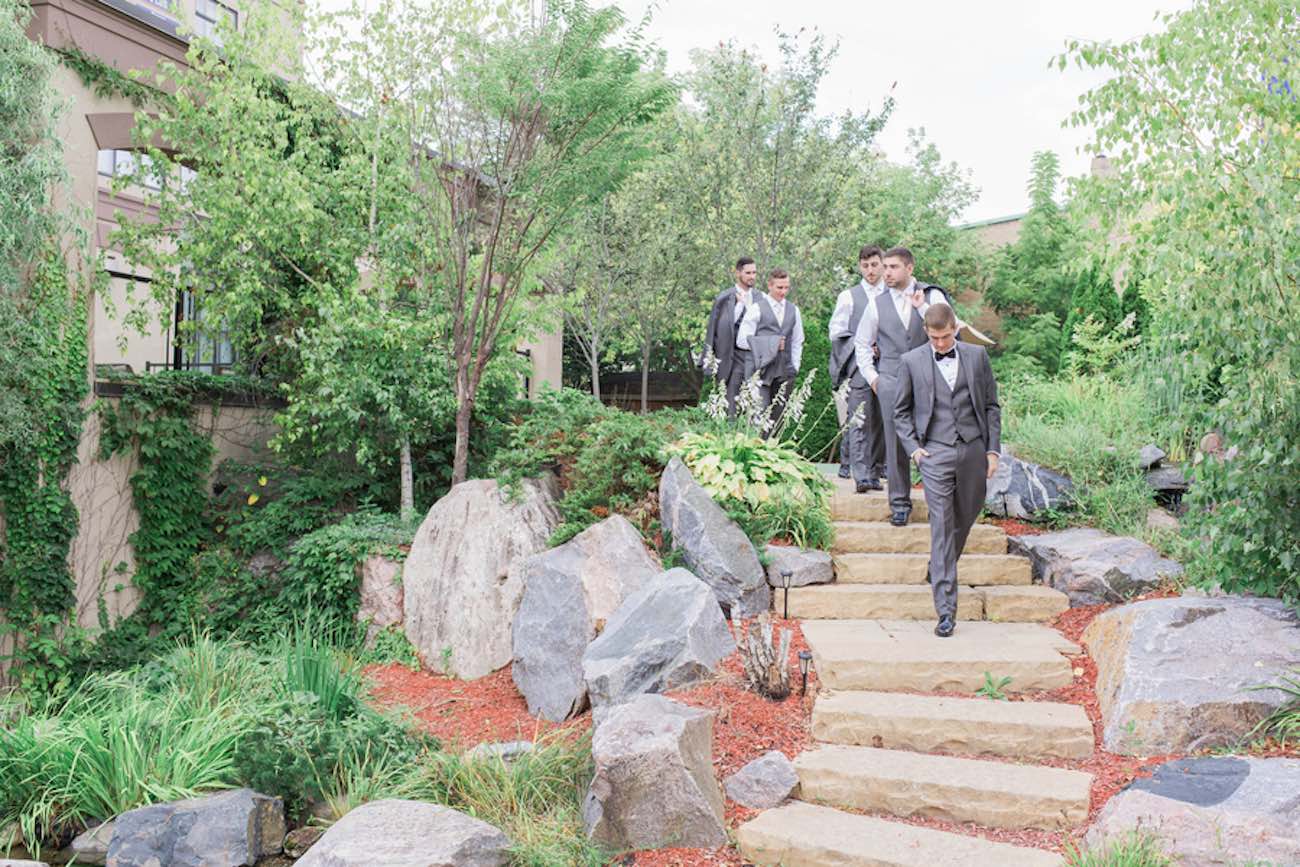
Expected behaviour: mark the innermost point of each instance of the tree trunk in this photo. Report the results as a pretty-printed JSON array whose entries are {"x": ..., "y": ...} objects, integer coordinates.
[
  {"x": 593, "y": 358},
  {"x": 645, "y": 377},
  {"x": 408, "y": 480},
  {"x": 464, "y": 412}
]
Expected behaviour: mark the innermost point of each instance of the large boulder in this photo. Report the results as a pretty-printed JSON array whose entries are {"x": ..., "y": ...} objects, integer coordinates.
[
  {"x": 666, "y": 635},
  {"x": 408, "y": 834},
  {"x": 1092, "y": 567},
  {"x": 806, "y": 566},
  {"x": 712, "y": 546},
  {"x": 765, "y": 782},
  {"x": 91, "y": 845},
  {"x": 1175, "y": 675},
  {"x": 224, "y": 830},
  {"x": 1208, "y": 812},
  {"x": 381, "y": 593},
  {"x": 463, "y": 577},
  {"x": 654, "y": 785},
  {"x": 569, "y": 593},
  {"x": 1025, "y": 491}
]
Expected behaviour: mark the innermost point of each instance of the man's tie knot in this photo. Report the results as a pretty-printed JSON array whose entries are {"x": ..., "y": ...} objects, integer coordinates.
[{"x": 951, "y": 353}]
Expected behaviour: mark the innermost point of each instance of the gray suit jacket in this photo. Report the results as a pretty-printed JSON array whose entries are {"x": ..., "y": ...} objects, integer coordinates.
[
  {"x": 720, "y": 335},
  {"x": 916, "y": 389}
]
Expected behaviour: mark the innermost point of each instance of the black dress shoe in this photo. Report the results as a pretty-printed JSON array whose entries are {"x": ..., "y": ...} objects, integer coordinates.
[
  {"x": 874, "y": 485},
  {"x": 861, "y": 487},
  {"x": 845, "y": 473},
  {"x": 900, "y": 516},
  {"x": 944, "y": 629}
]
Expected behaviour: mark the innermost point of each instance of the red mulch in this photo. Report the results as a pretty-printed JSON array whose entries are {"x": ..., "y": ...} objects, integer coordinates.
[{"x": 1012, "y": 527}]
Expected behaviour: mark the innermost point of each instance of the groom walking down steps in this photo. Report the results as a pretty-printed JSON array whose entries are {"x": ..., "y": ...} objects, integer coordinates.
[{"x": 948, "y": 419}]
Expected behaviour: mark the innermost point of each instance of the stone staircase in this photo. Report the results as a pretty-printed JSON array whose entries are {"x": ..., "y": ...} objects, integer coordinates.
[{"x": 890, "y": 744}]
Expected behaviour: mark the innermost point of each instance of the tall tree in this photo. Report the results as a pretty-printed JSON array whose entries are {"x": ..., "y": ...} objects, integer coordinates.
[{"x": 1201, "y": 124}]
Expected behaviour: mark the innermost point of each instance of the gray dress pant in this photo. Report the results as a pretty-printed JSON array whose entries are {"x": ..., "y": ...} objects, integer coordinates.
[
  {"x": 898, "y": 466},
  {"x": 954, "y": 478},
  {"x": 769, "y": 392},
  {"x": 866, "y": 441},
  {"x": 741, "y": 368}
]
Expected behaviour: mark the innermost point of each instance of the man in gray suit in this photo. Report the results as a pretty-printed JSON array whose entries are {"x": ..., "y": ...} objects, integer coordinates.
[
  {"x": 772, "y": 331},
  {"x": 892, "y": 324},
  {"x": 723, "y": 331},
  {"x": 862, "y": 446},
  {"x": 948, "y": 419}
]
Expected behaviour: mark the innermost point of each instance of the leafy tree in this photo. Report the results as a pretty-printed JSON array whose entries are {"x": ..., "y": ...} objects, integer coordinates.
[{"x": 1202, "y": 127}]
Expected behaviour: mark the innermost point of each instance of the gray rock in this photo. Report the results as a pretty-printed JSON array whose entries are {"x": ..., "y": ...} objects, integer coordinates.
[
  {"x": 713, "y": 547},
  {"x": 299, "y": 840},
  {"x": 764, "y": 782},
  {"x": 91, "y": 845},
  {"x": 223, "y": 830},
  {"x": 666, "y": 635},
  {"x": 654, "y": 785},
  {"x": 807, "y": 566},
  {"x": 1159, "y": 519},
  {"x": 1025, "y": 491},
  {"x": 1174, "y": 675},
  {"x": 569, "y": 593},
  {"x": 506, "y": 751},
  {"x": 1212, "y": 811},
  {"x": 1168, "y": 480},
  {"x": 11, "y": 862},
  {"x": 463, "y": 577},
  {"x": 381, "y": 593},
  {"x": 408, "y": 834},
  {"x": 1150, "y": 456},
  {"x": 1092, "y": 567}
]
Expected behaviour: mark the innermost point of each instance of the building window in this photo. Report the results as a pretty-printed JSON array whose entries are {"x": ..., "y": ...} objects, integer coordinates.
[
  {"x": 201, "y": 346},
  {"x": 209, "y": 14},
  {"x": 116, "y": 163}
]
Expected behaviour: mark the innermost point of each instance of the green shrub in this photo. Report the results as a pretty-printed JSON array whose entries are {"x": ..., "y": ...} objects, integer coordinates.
[
  {"x": 1284, "y": 722},
  {"x": 321, "y": 572},
  {"x": 1091, "y": 429},
  {"x": 1134, "y": 850},
  {"x": 535, "y": 798},
  {"x": 767, "y": 487},
  {"x": 609, "y": 460}
]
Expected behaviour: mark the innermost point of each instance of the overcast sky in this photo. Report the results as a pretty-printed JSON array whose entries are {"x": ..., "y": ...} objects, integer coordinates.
[{"x": 973, "y": 74}]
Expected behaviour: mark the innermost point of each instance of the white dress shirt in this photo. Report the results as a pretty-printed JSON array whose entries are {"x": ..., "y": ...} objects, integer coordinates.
[
  {"x": 844, "y": 308},
  {"x": 750, "y": 325},
  {"x": 948, "y": 367},
  {"x": 869, "y": 326},
  {"x": 745, "y": 303}
]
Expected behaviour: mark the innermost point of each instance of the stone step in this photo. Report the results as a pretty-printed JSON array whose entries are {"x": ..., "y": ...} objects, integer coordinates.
[
  {"x": 969, "y": 726},
  {"x": 1035, "y": 603},
  {"x": 907, "y": 655},
  {"x": 877, "y": 602},
  {"x": 848, "y": 505},
  {"x": 880, "y": 537},
  {"x": 972, "y": 569},
  {"x": 901, "y": 783},
  {"x": 799, "y": 834}
]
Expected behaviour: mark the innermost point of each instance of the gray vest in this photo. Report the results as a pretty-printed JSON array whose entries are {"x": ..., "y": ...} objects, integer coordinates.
[
  {"x": 953, "y": 419},
  {"x": 893, "y": 340},
  {"x": 782, "y": 367},
  {"x": 860, "y": 302}
]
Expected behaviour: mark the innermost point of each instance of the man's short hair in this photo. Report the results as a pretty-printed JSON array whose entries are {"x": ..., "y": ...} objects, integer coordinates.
[
  {"x": 940, "y": 316},
  {"x": 868, "y": 251},
  {"x": 900, "y": 253},
  {"x": 777, "y": 274},
  {"x": 743, "y": 261}
]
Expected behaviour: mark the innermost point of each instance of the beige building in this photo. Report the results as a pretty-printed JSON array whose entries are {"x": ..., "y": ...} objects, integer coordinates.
[
  {"x": 96, "y": 132},
  {"x": 995, "y": 233}
]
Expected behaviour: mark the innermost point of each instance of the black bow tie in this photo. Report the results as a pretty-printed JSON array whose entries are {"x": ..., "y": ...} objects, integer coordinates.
[{"x": 951, "y": 353}]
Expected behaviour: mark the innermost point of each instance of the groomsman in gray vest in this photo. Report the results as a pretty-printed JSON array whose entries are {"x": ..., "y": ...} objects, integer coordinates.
[
  {"x": 862, "y": 447},
  {"x": 892, "y": 323},
  {"x": 775, "y": 323},
  {"x": 949, "y": 421},
  {"x": 723, "y": 332}
]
